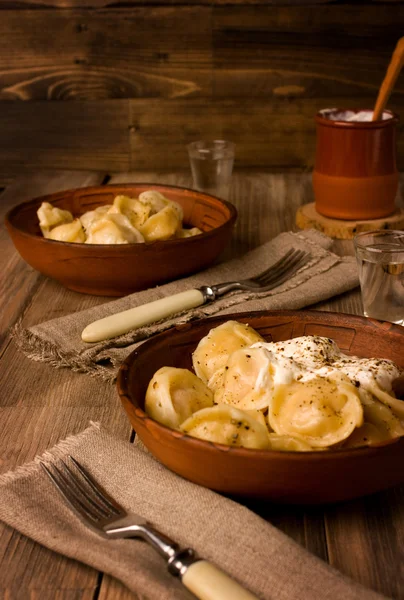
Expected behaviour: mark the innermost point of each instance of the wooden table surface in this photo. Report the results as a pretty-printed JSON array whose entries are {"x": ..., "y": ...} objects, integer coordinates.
[{"x": 40, "y": 405}]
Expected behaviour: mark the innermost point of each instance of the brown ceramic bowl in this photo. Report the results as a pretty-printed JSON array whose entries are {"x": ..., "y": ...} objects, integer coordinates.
[
  {"x": 119, "y": 269},
  {"x": 290, "y": 477}
]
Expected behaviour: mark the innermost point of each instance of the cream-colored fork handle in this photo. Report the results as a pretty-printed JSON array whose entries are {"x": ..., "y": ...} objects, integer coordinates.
[
  {"x": 122, "y": 322},
  {"x": 208, "y": 582}
]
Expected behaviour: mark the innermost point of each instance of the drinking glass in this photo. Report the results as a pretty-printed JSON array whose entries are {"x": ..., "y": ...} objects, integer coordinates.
[
  {"x": 380, "y": 258},
  {"x": 212, "y": 166}
]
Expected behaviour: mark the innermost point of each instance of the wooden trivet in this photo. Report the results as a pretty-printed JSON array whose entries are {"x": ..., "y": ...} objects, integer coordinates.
[{"x": 308, "y": 218}]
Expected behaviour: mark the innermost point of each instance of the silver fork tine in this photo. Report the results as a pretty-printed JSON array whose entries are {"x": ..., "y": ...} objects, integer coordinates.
[
  {"x": 102, "y": 495},
  {"x": 273, "y": 273},
  {"x": 77, "y": 501},
  {"x": 275, "y": 269},
  {"x": 78, "y": 493},
  {"x": 276, "y": 266},
  {"x": 290, "y": 271},
  {"x": 300, "y": 259}
]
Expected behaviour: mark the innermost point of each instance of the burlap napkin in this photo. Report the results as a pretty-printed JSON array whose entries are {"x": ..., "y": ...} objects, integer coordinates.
[
  {"x": 59, "y": 341},
  {"x": 248, "y": 548}
]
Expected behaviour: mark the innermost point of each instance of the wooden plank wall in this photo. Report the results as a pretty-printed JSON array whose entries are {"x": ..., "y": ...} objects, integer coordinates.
[{"x": 96, "y": 84}]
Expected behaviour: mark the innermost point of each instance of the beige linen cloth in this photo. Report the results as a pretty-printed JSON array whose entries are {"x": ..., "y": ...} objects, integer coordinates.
[
  {"x": 59, "y": 341},
  {"x": 251, "y": 550}
]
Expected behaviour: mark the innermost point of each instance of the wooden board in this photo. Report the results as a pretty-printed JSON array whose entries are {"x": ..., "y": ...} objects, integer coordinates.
[
  {"x": 298, "y": 52},
  {"x": 144, "y": 52},
  {"x": 307, "y": 217},
  {"x": 7, "y": 4},
  {"x": 201, "y": 49},
  {"x": 117, "y": 135},
  {"x": 127, "y": 85}
]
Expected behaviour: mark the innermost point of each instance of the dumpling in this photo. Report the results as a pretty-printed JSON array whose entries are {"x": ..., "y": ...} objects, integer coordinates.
[
  {"x": 374, "y": 376},
  {"x": 51, "y": 216},
  {"x": 321, "y": 412},
  {"x": 380, "y": 424},
  {"x": 174, "y": 394},
  {"x": 185, "y": 233},
  {"x": 259, "y": 416},
  {"x": 91, "y": 216},
  {"x": 287, "y": 443},
  {"x": 246, "y": 381},
  {"x": 156, "y": 201},
  {"x": 137, "y": 212},
  {"x": 161, "y": 226},
  {"x": 396, "y": 405},
  {"x": 227, "y": 425},
  {"x": 212, "y": 353},
  {"x": 69, "y": 232},
  {"x": 113, "y": 229}
]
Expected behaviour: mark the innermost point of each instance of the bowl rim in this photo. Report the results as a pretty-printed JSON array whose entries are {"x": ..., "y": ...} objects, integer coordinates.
[
  {"x": 320, "y": 119},
  {"x": 159, "y": 243},
  {"x": 242, "y": 452}
]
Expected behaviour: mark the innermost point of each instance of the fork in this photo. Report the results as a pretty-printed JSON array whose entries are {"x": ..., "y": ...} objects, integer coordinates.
[
  {"x": 139, "y": 316},
  {"x": 99, "y": 511}
]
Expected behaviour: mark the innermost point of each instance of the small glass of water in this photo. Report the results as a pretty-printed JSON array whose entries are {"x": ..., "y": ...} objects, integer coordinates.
[
  {"x": 212, "y": 166},
  {"x": 380, "y": 258}
]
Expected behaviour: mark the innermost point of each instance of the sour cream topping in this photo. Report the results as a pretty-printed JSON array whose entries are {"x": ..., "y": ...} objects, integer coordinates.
[{"x": 304, "y": 358}]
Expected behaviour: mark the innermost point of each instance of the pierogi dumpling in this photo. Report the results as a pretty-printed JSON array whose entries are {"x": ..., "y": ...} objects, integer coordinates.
[
  {"x": 381, "y": 415},
  {"x": 91, "y": 216},
  {"x": 154, "y": 199},
  {"x": 227, "y": 425},
  {"x": 51, "y": 216},
  {"x": 213, "y": 351},
  {"x": 321, "y": 412},
  {"x": 246, "y": 380},
  {"x": 137, "y": 212},
  {"x": 184, "y": 233},
  {"x": 374, "y": 376},
  {"x": 113, "y": 229},
  {"x": 68, "y": 232},
  {"x": 388, "y": 400},
  {"x": 174, "y": 394},
  {"x": 287, "y": 443},
  {"x": 157, "y": 202},
  {"x": 161, "y": 226},
  {"x": 380, "y": 424},
  {"x": 259, "y": 416}
]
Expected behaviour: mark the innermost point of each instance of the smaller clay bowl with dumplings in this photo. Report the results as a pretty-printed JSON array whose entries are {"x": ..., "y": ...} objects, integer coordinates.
[
  {"x": 120, "y": 269},
  {"x": 310, "y": 477}
]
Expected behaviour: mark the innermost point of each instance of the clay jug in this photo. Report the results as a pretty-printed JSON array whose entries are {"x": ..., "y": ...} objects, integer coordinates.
[{"x": 355, "y": 174}]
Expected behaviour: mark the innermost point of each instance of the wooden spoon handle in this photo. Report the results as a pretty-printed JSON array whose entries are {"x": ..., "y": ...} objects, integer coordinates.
[{"x": 394, "y": 68}]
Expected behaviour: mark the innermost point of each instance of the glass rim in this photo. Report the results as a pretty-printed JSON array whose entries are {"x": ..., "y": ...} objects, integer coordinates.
[
  {"x": 379, "y": 233},
  {"x": 211, "y": 143},
  {"x": 199, "y": 148}
]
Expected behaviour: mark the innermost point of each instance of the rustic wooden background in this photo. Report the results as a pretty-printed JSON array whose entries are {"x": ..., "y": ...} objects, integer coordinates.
[{"x": 118, "y": 86}]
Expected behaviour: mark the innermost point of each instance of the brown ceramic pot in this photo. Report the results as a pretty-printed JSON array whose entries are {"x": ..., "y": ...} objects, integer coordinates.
[{"x": 355, "y": 174}]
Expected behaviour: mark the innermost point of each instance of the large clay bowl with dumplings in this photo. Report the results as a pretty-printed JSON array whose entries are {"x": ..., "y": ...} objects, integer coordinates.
[
  {"x": 290, "y": 477},
  {"x": 119, "y": 269}
]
